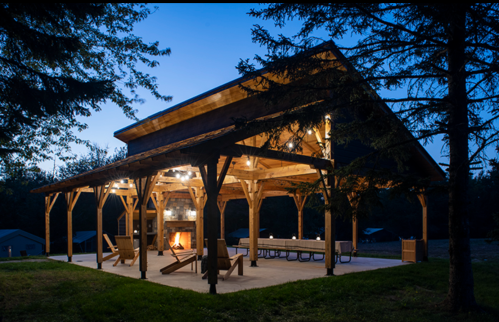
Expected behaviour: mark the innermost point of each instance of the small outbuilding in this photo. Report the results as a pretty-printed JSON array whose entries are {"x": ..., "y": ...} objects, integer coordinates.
[
  {"x": 83, "y": 241},
  {"x": 19, "y": 241}
]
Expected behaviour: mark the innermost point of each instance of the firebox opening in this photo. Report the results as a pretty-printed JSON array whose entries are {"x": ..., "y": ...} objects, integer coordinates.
[{"x": 180, "y": 240}]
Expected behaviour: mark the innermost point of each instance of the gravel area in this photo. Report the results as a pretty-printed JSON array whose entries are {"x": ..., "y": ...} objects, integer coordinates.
[{"x": 437, "y": 248}]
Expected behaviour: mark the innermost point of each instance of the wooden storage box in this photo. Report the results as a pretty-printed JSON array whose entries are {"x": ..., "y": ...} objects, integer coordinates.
[{"x": 412, "y": 250}]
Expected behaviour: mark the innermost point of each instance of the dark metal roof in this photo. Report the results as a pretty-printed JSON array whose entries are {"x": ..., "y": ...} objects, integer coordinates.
[{"x": 6, "y": 234}]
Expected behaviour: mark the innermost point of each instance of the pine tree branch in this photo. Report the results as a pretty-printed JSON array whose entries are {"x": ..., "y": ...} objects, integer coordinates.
[{"x": 400, "y": 27}]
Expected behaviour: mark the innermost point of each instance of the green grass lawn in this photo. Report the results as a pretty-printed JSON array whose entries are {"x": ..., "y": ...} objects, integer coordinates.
[{"x": 58, "y": 291}]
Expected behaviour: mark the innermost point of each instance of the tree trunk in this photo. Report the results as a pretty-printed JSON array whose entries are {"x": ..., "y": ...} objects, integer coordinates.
[{"x": 461, "y": 294}]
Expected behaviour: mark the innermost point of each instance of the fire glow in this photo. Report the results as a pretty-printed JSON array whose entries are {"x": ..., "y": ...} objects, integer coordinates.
[{"x": 177, "y": 244}]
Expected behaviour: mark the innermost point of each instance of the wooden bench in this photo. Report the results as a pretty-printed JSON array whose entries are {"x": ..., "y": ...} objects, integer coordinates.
[{"x": 298, "y": 246}]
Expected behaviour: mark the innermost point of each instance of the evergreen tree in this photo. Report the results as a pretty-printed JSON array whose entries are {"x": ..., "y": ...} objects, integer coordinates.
[
  {"x": 62, "y": 60},
  {"x": 444, "y": 56}
]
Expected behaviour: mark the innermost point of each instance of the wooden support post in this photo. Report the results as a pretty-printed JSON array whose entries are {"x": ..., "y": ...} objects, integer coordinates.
[
  {"x": 221, "y": 206},
  {"x": 49, "y": 203},
  {"x": 330, "y": 222},
  {"x": 353, "y": 198},
  {"x": 129, "y": 209},
  {"x": 134, "y": 202},
  {"x": 71, "y": 198},
  {"x": 212, "y": 187},
  {"x": 127, "y": 222},
  {"x": 423, "y": 199},
  {"x": 101, "y": 194},
  {"x": 212, "y": 222},
  {"x": 199, "y": 200},
  {"x": 144, "y": 186},
  {"x": 300, "y": 200},
  {"x": 330, "y": 230},
  {"x": 160, "y": 201},
  {"x": 355, "y": 235},
  {"x": 253, "y": 196}
]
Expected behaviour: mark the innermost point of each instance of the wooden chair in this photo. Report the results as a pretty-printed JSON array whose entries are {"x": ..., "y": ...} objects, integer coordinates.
[
  {"x": 112, "y": 247},
  {"x": 125, "y": 250},
  {"x": 182, "y": 259},
  {"x": 225, "y": 262}
]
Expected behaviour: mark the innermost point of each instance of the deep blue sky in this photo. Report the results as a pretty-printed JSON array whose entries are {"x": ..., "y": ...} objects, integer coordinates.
[{"x": 207, "y": 41}]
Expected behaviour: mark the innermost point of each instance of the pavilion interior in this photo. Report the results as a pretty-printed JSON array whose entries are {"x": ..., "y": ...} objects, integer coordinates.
[{"x": 169, "y": 157}]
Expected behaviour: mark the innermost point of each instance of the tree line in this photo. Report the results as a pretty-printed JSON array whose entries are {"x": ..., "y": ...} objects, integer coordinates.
[{"x": 400, "y": 215}]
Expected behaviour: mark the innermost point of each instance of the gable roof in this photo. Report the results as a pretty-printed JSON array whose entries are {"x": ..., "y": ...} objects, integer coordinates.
[
  {"x": 161, "y": 140},
  {"x": 6, "y": 234},
  {"x": 139, "y": 135}
]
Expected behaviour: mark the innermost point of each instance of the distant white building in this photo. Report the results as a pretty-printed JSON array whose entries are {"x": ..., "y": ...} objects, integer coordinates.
[{"x": 18, "y": 240}]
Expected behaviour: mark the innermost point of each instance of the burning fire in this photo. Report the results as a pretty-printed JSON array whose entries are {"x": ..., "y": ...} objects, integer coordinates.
[{"x": 177, "y": 240}]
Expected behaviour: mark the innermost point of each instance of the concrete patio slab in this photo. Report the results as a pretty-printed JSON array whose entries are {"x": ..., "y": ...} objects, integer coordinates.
[{"x": 269, "y": 271}]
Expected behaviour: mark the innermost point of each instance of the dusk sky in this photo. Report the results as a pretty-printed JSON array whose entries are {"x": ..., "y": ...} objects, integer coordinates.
[{"x": 206, "y": 41}]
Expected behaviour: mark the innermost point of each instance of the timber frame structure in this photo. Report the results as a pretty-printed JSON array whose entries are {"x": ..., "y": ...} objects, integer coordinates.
[{"x": 198, "y": 136}]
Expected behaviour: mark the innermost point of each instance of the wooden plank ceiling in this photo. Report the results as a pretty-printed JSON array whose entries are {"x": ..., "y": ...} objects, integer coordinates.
[{"x": 277, "y": 171}]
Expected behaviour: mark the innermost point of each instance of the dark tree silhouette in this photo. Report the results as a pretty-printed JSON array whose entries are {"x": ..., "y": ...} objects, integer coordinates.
[
  {"x": 62, "y": 60},
  {"x": 445, "y": 56}
]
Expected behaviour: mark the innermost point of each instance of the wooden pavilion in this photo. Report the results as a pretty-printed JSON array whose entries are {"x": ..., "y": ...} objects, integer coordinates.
[{"x": 194, "y": 151}]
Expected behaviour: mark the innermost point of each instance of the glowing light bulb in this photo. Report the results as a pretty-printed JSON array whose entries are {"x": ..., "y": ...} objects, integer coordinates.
[
  {"x": 248, "y": 162},
  {"x": 309, "y": 131},
  {"x": 290, "y": 145},
  {"x": 177, "y": 175}
]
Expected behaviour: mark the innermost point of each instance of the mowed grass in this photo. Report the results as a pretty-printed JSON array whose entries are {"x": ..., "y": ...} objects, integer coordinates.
[{"x": 58, "y": 291}]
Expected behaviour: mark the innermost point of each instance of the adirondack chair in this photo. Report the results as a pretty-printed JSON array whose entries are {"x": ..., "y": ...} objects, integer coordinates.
[
  {"x": 225, "y": 262},
  {"x": 113, "y": 248},
  {"x": 125, "y": 250},
  {"x": 182, "y": 258}
]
